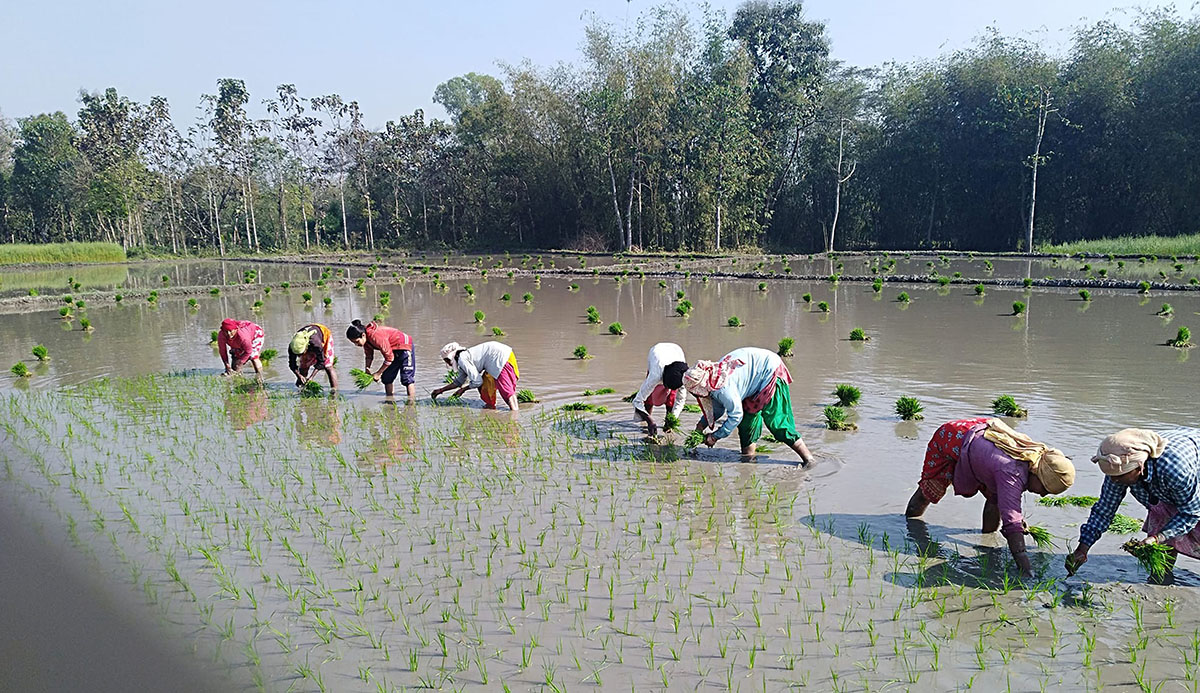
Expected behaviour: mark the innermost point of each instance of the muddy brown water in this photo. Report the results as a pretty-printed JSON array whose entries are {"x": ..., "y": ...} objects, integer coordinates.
[{"x": 741, "y": 559}]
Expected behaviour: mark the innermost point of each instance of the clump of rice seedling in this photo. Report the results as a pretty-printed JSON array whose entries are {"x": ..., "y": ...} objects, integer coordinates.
[
  {"x": 573, "y": 287},
  {"x": 679, "y": 295},
  {"x": 193, "y": 303},
  {"x": 910, "y": 408},
  {"x": 615, "y": 328},
  {"x": 1182, "y": 340},
  {"x": 285, "y": 285},
  {"x": 1064, "y": 501},
  {"x": 1143, "y": 287},
  {"x": 1027, "y": 282},
  {"x": 41, "y": 353},
  {"x": 307, "y": 297},
  {"x": 85, "y": 325},
  {"x": 497, "y": 332},
  {"x": 65, "y": 313},
  {"x": 1155, "y": 559},
  {"x": 835, "y": 419},
  {"x": 1167, "y": 309},
  {"x": 584, "y": 406},
  {"x": 1005, "y": 405},
  {"x": 1124, "y": 524},
  {"x": 847, "y": 395},
  {"x": 785, "y": 346},
  {"x": 377, "y": 318},
  {"x": 470, "y": 290},
  {"x": 823, "y": 306},
  {"x": 694, "y": 440},
  {"x": 735, "y": 321},
  {"x": 943, "y": 280},
  {"x": 1018, "y": 307},
  {"x": 311, "y": 388},
  {"x": 1085, "y": 295},
  {"x": 877, "y": 285},
  {"x": 214, "y": 291},
  {"x": 903, "y": 297},
  {"x": 1041, "y": 536},
  {"x": 68, "y": 299},
  {"x": 385, "y": 297},
  {"x": 858, "y": 335},
  {"x": 83, "y": 304},
  {"x": 690, "y": 408},
  {"x": 593, "y": 315},
  {"x": 165, "y": 279},
  {"x": 451, "y": 376},
  {"x": 526, "y": 397},
  {"x": 33, "y": 292},
  {"x": 479, "y": 317},
  {"x": 581, "y": 352},
  {"x": 118, "y": 298},
  {"x": 979, "y": 290},
  {"x": 601, "y": 391},
  {"x": 257, "y": 305},
  {"x": 506, "y": 298},
  {"x": 328, "y": 301},
  {"x": 358, "y": 285},
  {"x": 528, "y": 297},
  {"x": 629, "y": 397},
  {"x": 362, "y": 379},
  {"x": 670, "y": 422},
  {"x": 807, "y": 298},
  {"x": 683, "y": 308},
  {"x": 762, "y": 286},
  {"x": 20, "y": 370},
  {"x": 267, "y": 356},
  {"x": 212, "y": 337}
]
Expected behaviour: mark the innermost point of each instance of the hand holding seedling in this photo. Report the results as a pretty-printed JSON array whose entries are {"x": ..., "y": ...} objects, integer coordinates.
[
  {"x": 1076, "y": 558},
  {"x": 710, "y": 440}
]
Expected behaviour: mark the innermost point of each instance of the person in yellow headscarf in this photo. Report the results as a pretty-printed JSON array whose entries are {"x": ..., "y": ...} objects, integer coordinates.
[
  {"x": 312, "y": 347},
  {"x": 1162, "y": 472}
]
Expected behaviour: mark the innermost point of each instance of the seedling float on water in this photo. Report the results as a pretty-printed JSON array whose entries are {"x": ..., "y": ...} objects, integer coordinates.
[
  {"x": 528, "y": 297},
  {"x": 193, "y": 303},
  {"x": 979, "y": 290},
  {"x": 307, "y": 297},
  {"x": 1005, "y": 405},
  {"x": 1182, "y": 340},
  {"x": 257, "y": 305},
  {"x": 20, "y": 370},
  {"x": 581, "y": 352},
  {"x": 601, "y": 391},
  {"x": 585, "y": 406},
  {"x": 1166, "y": 310},
  {"x": 41, "y": 353},
  {"x": 214, "y": 291},
  {"x": 909, "y": 408},
  {"x": 903, "y": 297},
  {"x": 762, "y": 286},
  {"x": 1124, "y": 524},
  {"x": 785, "y": 346},
  {"x": 362, "y": 379},
  {"x": 526, "y": 397},
  {"x": 267, "y": 355},
  {"x": 1018, "y": 308},
  {"x": 847, "y": 395},
  {"x": 823, "y": 306},
  {"x": 85, "y": 325},
  {"x": 807, "y": 298},
  {"x": 506, "y": 298},
  {"x": 328, "y": 301},
  {"x": 1143, "y": 287},
  {"x": 835, "y": 419},
  {"x": 479, "y": 317},
  {"x": 65, "y": 313},
  {"x": 615, "y": 328},
  {"x": 734, "y": 321},
  {"x": 1085, "y": 295},
  {"x": 212, "y": 336},
  {"x": 497, "y": 332},
  {"x": 1075, "y": 501},
  {"x": 858, "y": 335}
]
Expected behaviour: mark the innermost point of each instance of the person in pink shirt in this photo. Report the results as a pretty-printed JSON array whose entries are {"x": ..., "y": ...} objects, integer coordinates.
[
  {"x": 399, "y": 358},
  {"x": 239, "y": 341}
]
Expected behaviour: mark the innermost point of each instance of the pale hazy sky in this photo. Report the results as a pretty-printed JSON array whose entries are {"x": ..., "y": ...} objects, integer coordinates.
[{"x": 389, "y": 56}]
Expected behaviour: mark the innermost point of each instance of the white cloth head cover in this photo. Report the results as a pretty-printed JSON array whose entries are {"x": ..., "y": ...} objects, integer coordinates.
[
  {"x": 450, "y": 350},
  {"x": 1126, "y": 450}
]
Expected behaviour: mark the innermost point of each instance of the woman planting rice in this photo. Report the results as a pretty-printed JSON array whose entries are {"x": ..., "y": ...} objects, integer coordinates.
[
  {"x": 239, "y": 341},
  {"x": 399, "y": 358},
  {"x": 749, "y": 387},
  {"x": 312, "y": 347},
  {"x": 491, "y": 367},
  {"x": 1162, "y": 471},
  {"x": 663, "y": 386},
  {"x": 985, "y": 455}
]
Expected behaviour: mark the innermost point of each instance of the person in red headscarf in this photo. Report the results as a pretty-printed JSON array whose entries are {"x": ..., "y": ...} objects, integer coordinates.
[{"x": 239, "y": 341}]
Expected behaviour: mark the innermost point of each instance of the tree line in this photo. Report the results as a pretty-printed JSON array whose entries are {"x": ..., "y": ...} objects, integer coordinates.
[{"x": 678, "y": 132}]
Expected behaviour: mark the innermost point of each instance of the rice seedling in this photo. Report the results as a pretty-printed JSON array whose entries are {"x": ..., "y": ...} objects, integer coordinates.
[
  {"x": 679, "y": 295},
  {"x": 694, "y": 440},
  {"x": 601, "y": 391},
  {"x": 1182, "y": 340},
  {"x": 584, "y": 406},
  {"x": 497, "y": 332},
  {"x": 526, "y": 397},
  {"x": 285, "y": 285},
  {"x": 1018, "y": 308},
  {"x": 81, "y": 304},
  {"x": 835, "y": 419},
  {"x": 615, "y": 328},
  {"x": 1005, "y": 405},
  {"x": 572, "y": 287},
  {"x": 193, "y": 303},
  {"x": 1027, "y": 282},
  {"x": 735, "y": 321},
  {"x": 311, "y": 388},
  {"x": 258, "y": 305},
  {"x": 691, "y": 408},
  {"x": 858, "y": 335},
  {"x": 214, "y": 291},
  {"x": 527, "y": 297},
  {"x": 385, "y": 297},
  {"x": 85, "y": 325},
  {"x": 762, "y": 287},
  {"x": 823, "y": 306},
  {"x": 683, "y": 308},
  {"x": 943, "y": 280},
  {"x": 479, "y": 317},
  {"x": 68, "y": 299},
  {"x": 1156, "y": 559},
  {"x": 909, "y": 408},
  {"x": 307, "y": 297},
  {"x": 1041, "y": 536},
  {"x": 807, "y": 298},
  {"x": 847, "y": 395},
  {"x": 20, "y": 370},
  {"x": 581, "y": 352},
  {"x": 1124, "y": 524},
  {"x": 903, "y": 297},
  {"x": 41, "y": 353},
  {"x": 469, "y": 290},
  {"x": 506, "y": 297},
  {"x": 33, "y": 292},
  {"x": 267, "y": 356},
  {"x": 877, "y": 285},
  {"x": 65, "y": 313},
  {"x": 328, "y": 301},
  {"x": 1166, "y": 310},
  {"x": 785, "y": 346},
  {"x": 1064, "y": 501},
  {"x": 593, "y": 315},
  {"x": 670, "y": 422},
  {"x": 362, "y": 379},
  {"x": 1143, "y": 287},
  {"x": 212, "y": 336},
  {"x": 118, "y": 298}
]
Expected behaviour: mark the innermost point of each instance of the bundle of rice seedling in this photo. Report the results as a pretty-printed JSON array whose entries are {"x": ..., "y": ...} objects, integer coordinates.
[
  {"x": 362, "y": 379},
  {"x": 692, "y": 408},
  {"x": 1123, "y": 524},
  {"x": 1155, "y": 559},
  {"x": 694, "y": 440},
  {"x": 629, "y": 397},
  {"x": 526, "y": 397},
  {"x": 311, "y": 388},
  {"x": 1041, "y": 536},
  {"x": 670, "y": 422},
  {"x": 1061, "y": 501}
]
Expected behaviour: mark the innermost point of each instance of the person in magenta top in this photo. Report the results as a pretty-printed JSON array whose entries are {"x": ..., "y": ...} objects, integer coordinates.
[
  {"x": 239, "y": 341},
  {"x": 984, "y": 456},
  {"x": 399, "y": 357}
]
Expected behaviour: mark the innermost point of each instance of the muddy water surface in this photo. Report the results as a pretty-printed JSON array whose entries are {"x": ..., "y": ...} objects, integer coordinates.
[{"x": 763, "y": 575}]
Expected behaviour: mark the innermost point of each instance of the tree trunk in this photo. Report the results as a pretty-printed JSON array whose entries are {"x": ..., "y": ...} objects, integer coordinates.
[
  {"x": 1042, "y": 115},
  {"x": 612, "y": 179},
  {"x": 837, "y": 196},
  {"x": 345, "y": 226}
]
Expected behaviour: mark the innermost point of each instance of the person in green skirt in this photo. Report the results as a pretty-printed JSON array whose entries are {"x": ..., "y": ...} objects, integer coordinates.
[{"x": 749, "y": 387}]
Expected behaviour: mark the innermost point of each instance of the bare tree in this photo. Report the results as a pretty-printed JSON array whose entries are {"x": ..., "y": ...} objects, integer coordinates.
[{"x": 841, "y": 180}]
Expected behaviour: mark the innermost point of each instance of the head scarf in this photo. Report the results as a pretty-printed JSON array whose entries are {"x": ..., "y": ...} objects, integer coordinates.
[
  {"x": 706, "y": 376},
  {"x": 229, "y": 324},
  {"x": 450, "y": 350},
  {"x": 300, "y": 341},
  {"x": 1049, "y": 465},
  {"x": 1126, "y": 450},
  {"x": 1054, "y": 470}
]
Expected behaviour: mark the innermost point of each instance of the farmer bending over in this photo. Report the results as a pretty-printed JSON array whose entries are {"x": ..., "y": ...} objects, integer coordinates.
[
  {"x": 491, "y": 367},
  {"x": 399, "y": 358},
  {"x": 312, "y": 347},
  {"x": 985, "y": 455},
  {"x": 749, "y": 387},
  {"x": 239, "y": 341},
  {"x": 1162, "y": 471},
  {"x": 663, "y": 386}
]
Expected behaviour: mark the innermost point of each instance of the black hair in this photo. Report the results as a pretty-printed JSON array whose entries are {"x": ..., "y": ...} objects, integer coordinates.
[
  {"x": 356, "y": 330},
  {"x": 673, "y": 375}
]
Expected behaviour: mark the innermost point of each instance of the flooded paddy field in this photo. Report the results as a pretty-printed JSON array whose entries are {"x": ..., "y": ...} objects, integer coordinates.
[{"x": 347, "y": 543}]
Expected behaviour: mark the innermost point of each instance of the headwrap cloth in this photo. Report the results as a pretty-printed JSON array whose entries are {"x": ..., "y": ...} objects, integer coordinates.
[
  {"x": 704, "y": 377},
  {"x": 1049, "y": 465},
  {"x": 1128, "y": 449}
]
